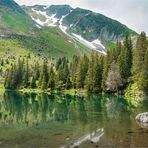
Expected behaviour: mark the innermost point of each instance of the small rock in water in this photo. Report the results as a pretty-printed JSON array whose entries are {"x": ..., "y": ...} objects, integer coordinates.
[
  {"x": 142, "y": 120},
  {"x": 67, "y": 138},
  {"x": 143, "y": 117}
]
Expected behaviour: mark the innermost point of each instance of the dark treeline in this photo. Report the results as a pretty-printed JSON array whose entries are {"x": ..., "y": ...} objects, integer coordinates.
[{"x": 122, "y": 66}]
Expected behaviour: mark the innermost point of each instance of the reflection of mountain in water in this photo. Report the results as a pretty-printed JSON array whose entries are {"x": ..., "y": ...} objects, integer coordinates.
[{"x": 93, "y": 137}]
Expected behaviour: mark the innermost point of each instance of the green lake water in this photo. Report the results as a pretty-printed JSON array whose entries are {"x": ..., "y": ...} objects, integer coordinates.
[{"x": 30, "y": 120}]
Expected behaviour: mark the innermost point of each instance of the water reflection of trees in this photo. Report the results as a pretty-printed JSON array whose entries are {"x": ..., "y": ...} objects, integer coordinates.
[
  {"x": 32, "y": 108},
  {"x": 87, "y": 113}
]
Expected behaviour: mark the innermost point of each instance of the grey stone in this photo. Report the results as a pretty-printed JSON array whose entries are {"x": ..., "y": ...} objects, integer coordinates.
[{"x": 143, "y": 117}]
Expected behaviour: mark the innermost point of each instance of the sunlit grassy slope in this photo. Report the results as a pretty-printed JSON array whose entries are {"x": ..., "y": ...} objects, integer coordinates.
[{"x": 46, "y": 42}]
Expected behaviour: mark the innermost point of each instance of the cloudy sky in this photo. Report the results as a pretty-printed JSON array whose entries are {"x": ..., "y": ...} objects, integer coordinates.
[{"x": 132, "y": 13}]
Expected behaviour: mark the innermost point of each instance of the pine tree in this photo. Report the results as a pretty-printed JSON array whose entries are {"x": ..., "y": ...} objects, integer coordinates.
[
  {"x": 139, "y": 53},
  {"x": 18, "y": 74},
  {"x": 2, "y": 62},
  {"x": 37, "y": 71},
  {"x": 68, "y": 83},
  {"x": 26, "y": 74},
  {"x": 33, "y": 83},
  {"x": 106, "y": 65},
  {"x": 73, "y": 70},
  {"x": 97, "y": 77},
  {"x": 44, "y": 77},
  {"x": 143, "y": 81},
  {"x": 51, "y": 82},
  {"x": 8, "y": 84},
  {"x": 125, "y": 59},
  {"x": 81, "y": 71},
  {"x": 90, "y": 74},
  {"x": 62, "y": 74}
]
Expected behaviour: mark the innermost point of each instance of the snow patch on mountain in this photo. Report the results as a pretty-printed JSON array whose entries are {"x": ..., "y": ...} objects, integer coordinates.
[
  {"x": 37, "y": 25},
  {"x": 38, "y": 21},
  {"x": 46, "y": 7},
  {"x": 50, "y": 20},
  {"x": 96, "y": 44},
  {"x": 63, "y": 28}
]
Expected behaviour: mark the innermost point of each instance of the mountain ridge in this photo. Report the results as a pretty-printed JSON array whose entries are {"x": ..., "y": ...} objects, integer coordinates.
[
  {"x": 93, "y": 30},
  {"x": 89, "y": 25}
]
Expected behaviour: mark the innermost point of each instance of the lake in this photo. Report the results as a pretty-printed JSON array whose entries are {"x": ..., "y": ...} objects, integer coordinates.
[{"x": 33, "y": 120}]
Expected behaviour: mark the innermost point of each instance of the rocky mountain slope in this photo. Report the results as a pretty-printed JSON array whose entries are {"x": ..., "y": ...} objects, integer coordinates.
[
  {"x": 59, "y": 29},
  {"x": 92, "y": 29}
]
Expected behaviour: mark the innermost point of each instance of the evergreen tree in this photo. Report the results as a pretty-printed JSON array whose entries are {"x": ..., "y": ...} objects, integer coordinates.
[
  {"x": 44, "y": 77},
  {"x": 51, "y": 82},
  {"x": 73, "y": 70},
  {"x": 33, "y": 83},
  {"x": 144, "y": 75},
  {"x": 68, "y": 83},
  {"x": 26, "y": 74},
  {"x": 81, "y": 71},
  {"x": 97, "y": 78},
  {"x": 2, "y": 62},
  {"x": 125, "y": 59},
  {"x": 8, "y": 84},
  {"x": 18, "y": 73},
  {"x": 106, "y": 65},
  {"x": 90, "y": 74},
  {"x": 62, "y": 74},
  {"x": 139, "y": 53},
  {"x": 37, "y": 71}
]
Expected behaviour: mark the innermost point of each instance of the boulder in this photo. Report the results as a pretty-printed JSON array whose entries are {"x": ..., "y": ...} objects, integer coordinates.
[{"x": 143, "y": 117}]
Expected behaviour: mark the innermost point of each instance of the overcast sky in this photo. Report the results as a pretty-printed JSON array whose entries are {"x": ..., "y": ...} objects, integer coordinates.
[{"x": 132, "y": 13}]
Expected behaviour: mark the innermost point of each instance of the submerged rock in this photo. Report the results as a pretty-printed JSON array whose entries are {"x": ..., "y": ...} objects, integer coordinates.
[
  {"x": 142, "y": 120},
  {"x": 143, "y": 125},
  {"x": 143, "y": 117}
]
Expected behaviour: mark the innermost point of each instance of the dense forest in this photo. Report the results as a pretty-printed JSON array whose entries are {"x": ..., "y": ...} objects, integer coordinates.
[{"x": 123, "y": 68}]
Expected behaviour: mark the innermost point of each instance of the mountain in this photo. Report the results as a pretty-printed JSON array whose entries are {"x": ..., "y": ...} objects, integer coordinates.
[
  {"x": 58, "y": 30},
  {"x": 13, "y": 18},
  {"x": 17, "y": 28},
  {"x": 92, "y": 29}
]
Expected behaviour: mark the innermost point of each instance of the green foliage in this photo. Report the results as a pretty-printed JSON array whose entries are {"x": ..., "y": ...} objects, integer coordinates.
[
  {"x": 94, "y": 74},
  {"x": 14, "y": 18},
  {"x": 50, "y": 42},
  {"x": 81, "y": 71},
  {"x": 144, "y": 75},
  {"x": 139, "y": 53},
  {"x": 110, "y": 73},
  {"x": 125, "y": 59},
  {"x": 44, "y": 76}
]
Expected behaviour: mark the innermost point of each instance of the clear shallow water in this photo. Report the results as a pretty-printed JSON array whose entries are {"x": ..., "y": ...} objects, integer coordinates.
[{"x": 58, "y": 120}]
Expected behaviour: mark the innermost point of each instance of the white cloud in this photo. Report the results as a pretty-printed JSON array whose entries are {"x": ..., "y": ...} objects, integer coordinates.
[{"x": 132, "y": 13}]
